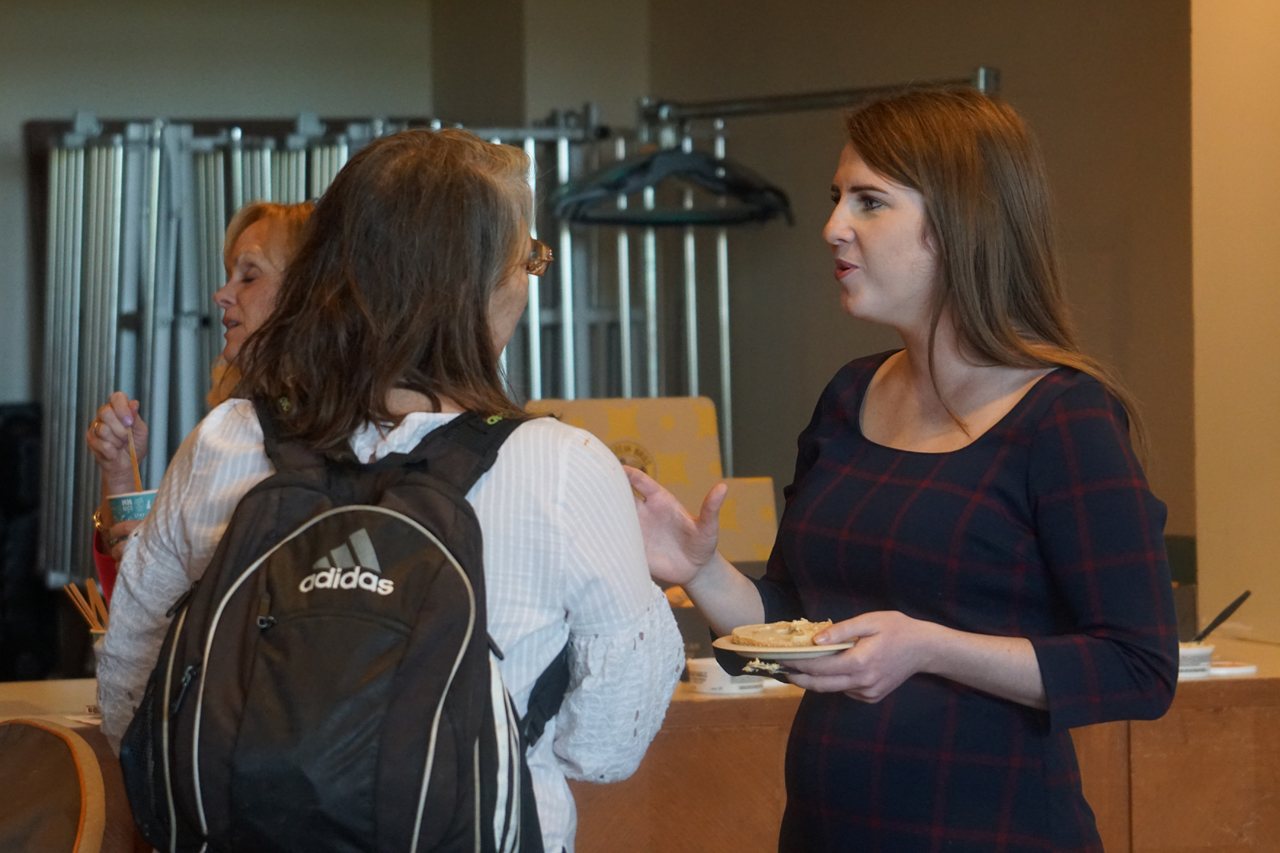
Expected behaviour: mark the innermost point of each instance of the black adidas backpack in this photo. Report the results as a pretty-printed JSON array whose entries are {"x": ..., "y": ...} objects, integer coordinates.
[{"x": 330, "y": 683}]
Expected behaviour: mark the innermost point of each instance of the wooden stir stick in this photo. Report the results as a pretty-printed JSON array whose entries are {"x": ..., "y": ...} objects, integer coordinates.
[
  {"x": 97, "y": 603},
  {"x": 133, "y": 458}
]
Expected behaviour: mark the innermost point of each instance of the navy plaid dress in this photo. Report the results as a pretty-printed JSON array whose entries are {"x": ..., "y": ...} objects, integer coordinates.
[{"x": 1043, "y": 528}]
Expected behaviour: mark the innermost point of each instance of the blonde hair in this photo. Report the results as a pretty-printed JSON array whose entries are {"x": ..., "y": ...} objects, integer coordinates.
[{"x": 293, "y": 219}]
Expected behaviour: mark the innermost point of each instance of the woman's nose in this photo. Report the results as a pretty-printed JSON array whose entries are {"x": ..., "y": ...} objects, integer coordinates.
[
  {"x": 225, "y": 295},
  {"x": 837, "y": 230}
]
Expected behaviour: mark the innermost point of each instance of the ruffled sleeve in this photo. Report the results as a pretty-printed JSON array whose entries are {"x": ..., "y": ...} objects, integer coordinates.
[
  {"x": 621, "y": 684},
  {"x": 627, "y": 653}
]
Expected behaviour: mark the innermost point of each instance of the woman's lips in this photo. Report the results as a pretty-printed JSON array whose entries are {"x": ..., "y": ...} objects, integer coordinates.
[{"x": 843, "y": 268}]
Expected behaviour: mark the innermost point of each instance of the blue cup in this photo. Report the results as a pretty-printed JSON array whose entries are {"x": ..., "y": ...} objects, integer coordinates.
[{"x": 131, "y": 506}]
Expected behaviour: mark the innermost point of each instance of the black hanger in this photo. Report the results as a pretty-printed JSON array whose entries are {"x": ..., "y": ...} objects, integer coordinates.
[{"x": 592, "y": 200}]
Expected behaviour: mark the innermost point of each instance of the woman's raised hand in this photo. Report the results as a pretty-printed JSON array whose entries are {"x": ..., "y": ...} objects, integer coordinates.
[
  {"x": 108, "y": 440},
  {"x": 677, "y": 544}
]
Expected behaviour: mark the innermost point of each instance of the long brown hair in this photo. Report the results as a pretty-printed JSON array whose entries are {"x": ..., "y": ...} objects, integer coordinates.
[
  {"x": 391, "y": 287},
  {"x": 987, "y": 205}
]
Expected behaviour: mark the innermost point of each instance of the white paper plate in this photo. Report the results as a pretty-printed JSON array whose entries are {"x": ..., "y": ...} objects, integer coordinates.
[{"x": 779, "y": 652}]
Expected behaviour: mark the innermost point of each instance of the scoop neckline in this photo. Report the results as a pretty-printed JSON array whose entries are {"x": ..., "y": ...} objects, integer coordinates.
[{"x": 997, "y": 427}]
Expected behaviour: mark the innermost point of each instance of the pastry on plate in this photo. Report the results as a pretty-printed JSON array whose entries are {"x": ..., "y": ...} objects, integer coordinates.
[{"x": 799, "y": 632}]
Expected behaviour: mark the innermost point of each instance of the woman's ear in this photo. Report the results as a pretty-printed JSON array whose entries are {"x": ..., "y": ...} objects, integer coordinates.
[{"x": 928, "y": 239}]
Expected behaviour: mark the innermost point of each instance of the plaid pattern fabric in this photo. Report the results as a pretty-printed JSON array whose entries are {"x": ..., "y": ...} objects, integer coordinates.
[{"x": 1043, "y": 528}]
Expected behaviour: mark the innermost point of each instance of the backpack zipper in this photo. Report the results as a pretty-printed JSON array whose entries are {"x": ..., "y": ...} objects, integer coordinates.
[
  {"x": 164, "y": 727},
  {"x": 188, "y": 674},
  {"x": 265, "y": 619}
]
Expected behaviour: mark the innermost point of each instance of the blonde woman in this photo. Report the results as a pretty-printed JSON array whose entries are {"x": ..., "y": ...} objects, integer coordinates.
[{"x": 261, "y": 239}]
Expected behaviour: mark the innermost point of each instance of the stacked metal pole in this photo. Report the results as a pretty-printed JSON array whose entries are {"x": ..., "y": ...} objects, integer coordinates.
[
  {"x": 209, "y": 207},
  {"x": 624, "y": 288},
  {"x": 61, "y": 426},
  {"x": 690, "y": 291},
  {"x": 326, "y": 159},
  {"x": 650, "y": 256},
  {"x": 289, "y": 176},
  {"x": 722, "y": 305},
  {"x": 564, "y": 259},
  {"x": 136, "y": 226},
  {"x": 533, "y": 312},
  {"x": 104, "y": 178}
]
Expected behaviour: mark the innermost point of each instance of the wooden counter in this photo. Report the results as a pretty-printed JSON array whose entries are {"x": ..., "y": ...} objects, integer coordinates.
[
  {"x": 712, "y": 780},
  {"x": 1205, "y": 777}
]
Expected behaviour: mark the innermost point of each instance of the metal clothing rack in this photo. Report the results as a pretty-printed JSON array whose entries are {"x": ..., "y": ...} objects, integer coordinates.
[{"x": 132, "y": 229}]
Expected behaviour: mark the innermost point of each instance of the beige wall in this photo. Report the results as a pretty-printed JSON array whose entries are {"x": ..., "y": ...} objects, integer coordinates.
[
  {"x": 141, "y": 58},
  {"x": 1105, "y": 84},
  {"x": 1235, "y": 97},
  {"x": 478, "y": 61},
  {"x": 583, "y": 51}
]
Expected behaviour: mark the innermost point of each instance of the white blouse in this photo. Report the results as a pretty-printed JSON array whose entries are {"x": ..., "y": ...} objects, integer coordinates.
[{"x": 564, "y": 561}]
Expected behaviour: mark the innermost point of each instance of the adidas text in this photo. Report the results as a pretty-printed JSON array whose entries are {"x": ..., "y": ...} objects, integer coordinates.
[{"x": 347, "y": 579}]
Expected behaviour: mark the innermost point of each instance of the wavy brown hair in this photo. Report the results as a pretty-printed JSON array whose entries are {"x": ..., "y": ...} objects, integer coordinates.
[
  {"x": 986, "y": 201},
  {"x": 391, "y": 287}
]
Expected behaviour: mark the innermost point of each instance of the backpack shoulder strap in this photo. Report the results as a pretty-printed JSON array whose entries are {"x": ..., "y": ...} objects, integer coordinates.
[
  {"x": 284, "y": 455},
  {"x": 546, "y": 698},
  {"x": 460, "y": 451}
]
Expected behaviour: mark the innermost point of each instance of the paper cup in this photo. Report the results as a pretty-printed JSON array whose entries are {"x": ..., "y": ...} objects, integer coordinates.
[{"x": 131, "y": 506}]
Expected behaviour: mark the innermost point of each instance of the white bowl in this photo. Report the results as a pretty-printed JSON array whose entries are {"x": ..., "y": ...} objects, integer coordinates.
[
  {"x": 707, "y": 676},
  {"x": 1194, "y": 660}
]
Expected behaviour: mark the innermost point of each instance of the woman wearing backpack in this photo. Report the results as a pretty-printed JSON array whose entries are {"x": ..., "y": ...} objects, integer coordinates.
[{"x": 390, "y": 324}]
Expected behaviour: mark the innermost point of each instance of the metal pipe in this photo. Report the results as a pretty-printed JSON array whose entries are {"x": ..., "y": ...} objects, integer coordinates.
[
  {"x": 264, "y": 160},
  {"x": 722, "y": 304},
  {"x": 987, "y": 79},
  {"x": 92, "y": 285},
  {"x": 502, "y": 356},
  {"x": 54, "y": 542},
  {"x": 565, "y": 258},
  {"x": 675, "y": 111},
  {"x": 534, "y": 311},
  {"x": 237, "y": 170},
  {"x": 51, "y": 439},
  {"x": 200, "y": 229},
  {"x": 650, "y": 253},
  {"x": 151, "y": 220},
  {"x": 624, "y": 287},
  {"x": 537, "y": 134},
  {"x": 690, "y": 290},
  {"x": 71, "y": 384}
]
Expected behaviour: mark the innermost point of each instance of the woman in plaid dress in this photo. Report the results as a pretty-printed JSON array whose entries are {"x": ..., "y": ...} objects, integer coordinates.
[{"x": 969, "y": 507}]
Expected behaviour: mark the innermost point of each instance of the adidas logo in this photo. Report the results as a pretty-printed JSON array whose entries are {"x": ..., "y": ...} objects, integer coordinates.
[{"x": 354, "y": 567}]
